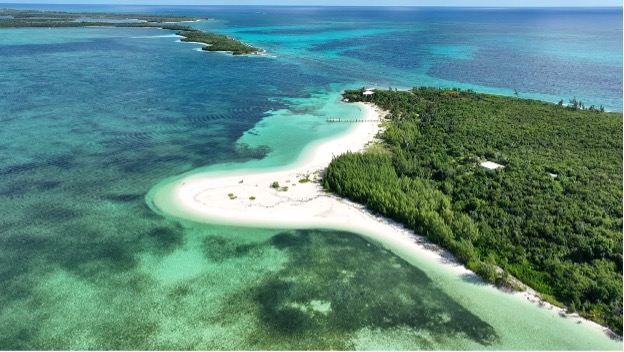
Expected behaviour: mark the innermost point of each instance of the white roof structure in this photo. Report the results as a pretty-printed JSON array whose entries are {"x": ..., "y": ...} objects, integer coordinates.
[
  {"x": 368, "y": 92},
  {"x": 490, "y": 165}
]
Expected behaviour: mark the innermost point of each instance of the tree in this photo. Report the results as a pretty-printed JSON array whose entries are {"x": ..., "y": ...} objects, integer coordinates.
[{"x": 558, "y": 235}]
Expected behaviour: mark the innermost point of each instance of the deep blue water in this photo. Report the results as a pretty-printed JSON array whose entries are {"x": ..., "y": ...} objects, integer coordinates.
[{"x": 92, "y": 118}]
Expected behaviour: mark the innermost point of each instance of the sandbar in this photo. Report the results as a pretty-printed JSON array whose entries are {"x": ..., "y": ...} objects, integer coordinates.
[{"x": 277, "y": 199}]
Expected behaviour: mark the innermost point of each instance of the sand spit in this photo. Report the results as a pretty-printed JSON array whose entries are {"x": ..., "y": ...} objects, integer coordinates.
[{"x": 293, "y": 198}]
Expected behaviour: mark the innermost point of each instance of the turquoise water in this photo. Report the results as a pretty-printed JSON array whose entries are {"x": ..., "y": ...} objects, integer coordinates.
[{"x": 93, "y": 118}]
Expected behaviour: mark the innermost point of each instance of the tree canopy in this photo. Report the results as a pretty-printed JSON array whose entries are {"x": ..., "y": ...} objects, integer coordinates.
[
  {"x": 10, "y": 18},
  {"x": 552, "y": 217}
]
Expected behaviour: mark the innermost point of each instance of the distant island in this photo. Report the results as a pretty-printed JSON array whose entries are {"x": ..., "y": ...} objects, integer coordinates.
[
  {"x": 11, "y": 18},
  {"x": 218, "y": 42},
  {"x": 512, "y": 187}
]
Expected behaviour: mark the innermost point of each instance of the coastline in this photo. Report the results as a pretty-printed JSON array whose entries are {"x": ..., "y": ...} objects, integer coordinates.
[
  {"x": 89, "y": 266},
  {"x": 246, "y": 198},
  {"x": 205, "y": 196},
  {"x": 223, "y": 42}
]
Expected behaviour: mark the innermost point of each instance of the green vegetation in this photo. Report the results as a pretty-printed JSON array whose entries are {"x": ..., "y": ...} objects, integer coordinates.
[
  {"x": 59, "y": 16},
  {"x": 218, "y": 42},
  {"x": 32, "y": 18},
  {"x": 252, "y": 198},
  {"x": 561, "y": 233},
  {"x": 232, "y": 196},
  {"x": 276, "y": 186}
]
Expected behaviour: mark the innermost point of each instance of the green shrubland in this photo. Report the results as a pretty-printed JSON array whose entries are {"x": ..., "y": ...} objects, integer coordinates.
[
  {"x": 552, "y": 217},
  {"x": 48, "y": 19}
]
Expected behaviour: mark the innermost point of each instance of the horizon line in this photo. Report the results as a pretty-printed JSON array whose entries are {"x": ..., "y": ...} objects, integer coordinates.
[{"x": 293, "y": 5}]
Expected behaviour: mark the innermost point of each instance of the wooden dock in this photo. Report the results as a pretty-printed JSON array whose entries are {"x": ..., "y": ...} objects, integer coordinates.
[{"x": 350, "y": 120}]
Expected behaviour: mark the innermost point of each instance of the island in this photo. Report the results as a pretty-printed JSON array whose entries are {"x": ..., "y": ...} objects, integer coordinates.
[
  {"x": 218, "y": 42},
  {"x": 526, "y": 194},
  {"x": 12, "y": 18},
  {"x": 512, "y": 187},
  {"x": 523, "y": 193}
]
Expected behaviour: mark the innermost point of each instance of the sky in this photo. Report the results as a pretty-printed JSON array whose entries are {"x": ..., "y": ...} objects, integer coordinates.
[{"x": 476, "y": 3}]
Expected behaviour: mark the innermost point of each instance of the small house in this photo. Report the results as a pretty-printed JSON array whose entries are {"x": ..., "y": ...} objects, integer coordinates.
[{"x": 489, "y": 165}]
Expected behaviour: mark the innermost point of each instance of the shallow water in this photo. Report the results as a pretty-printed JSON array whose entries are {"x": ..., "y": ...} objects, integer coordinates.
[{"x": 93, "y": 118}]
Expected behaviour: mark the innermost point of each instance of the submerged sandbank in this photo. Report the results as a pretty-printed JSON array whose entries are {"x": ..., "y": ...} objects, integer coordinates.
[{"x": 291, "y": 197}]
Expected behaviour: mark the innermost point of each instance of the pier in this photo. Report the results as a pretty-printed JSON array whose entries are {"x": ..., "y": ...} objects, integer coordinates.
[{"x": 350, "y": 120}]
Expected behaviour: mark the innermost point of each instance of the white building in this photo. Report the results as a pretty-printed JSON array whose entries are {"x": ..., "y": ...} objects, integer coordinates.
[{"x": 489, "y": 165}]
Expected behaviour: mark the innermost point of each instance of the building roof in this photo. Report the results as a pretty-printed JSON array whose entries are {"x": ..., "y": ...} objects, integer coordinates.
[
  {"x": 368, "y": 92},
  {"x": 490, "y": 165}
]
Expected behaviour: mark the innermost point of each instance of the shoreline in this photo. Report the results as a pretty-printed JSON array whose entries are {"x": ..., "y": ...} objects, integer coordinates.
[
  {"x": 210, "y": 39},
  {"x": 206, "y": 194},
  {"x": 249, "y": 198}
]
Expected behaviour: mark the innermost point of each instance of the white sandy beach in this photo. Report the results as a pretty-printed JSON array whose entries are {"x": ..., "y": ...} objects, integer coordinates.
[{"x": 246, "y": 198}]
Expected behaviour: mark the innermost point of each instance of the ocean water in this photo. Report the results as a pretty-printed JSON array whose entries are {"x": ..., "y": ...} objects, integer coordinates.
[{"x": 91, "y": 119}]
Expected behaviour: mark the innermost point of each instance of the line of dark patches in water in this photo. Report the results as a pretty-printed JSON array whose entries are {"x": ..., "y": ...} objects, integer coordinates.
[
  {"x": 159, "y": 129},
  {"x": 65, "y": 161},
  {"x": 46, "y": 186},
  {"x": 18, "y": 187},
  {"x": 167, "y": 159},
  {"x": 226, "y": 130},
  {"x": 127, "y": 143},
  {"x": 10, "y": 226},
  {"x": 75, "y": 234},
  {"x": 33, "y": 187},
  {"x": 249, "y": 109},
  {"x": 91, "y": 198},
  {"x": 15, "y": 188},
  {"x": 104, "y": 45},
  {"x": 247, "y": 118},
  {"x": 126, "y": 134},
  {"x": 126, "y": 197},
  {"x": 20, "y": 168},
  {"x": 206, "y": 119},
  {"x": 242, "y": 114},
  {"x": 54, "y": 212},
  {"x": 132, "y": 166}
]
